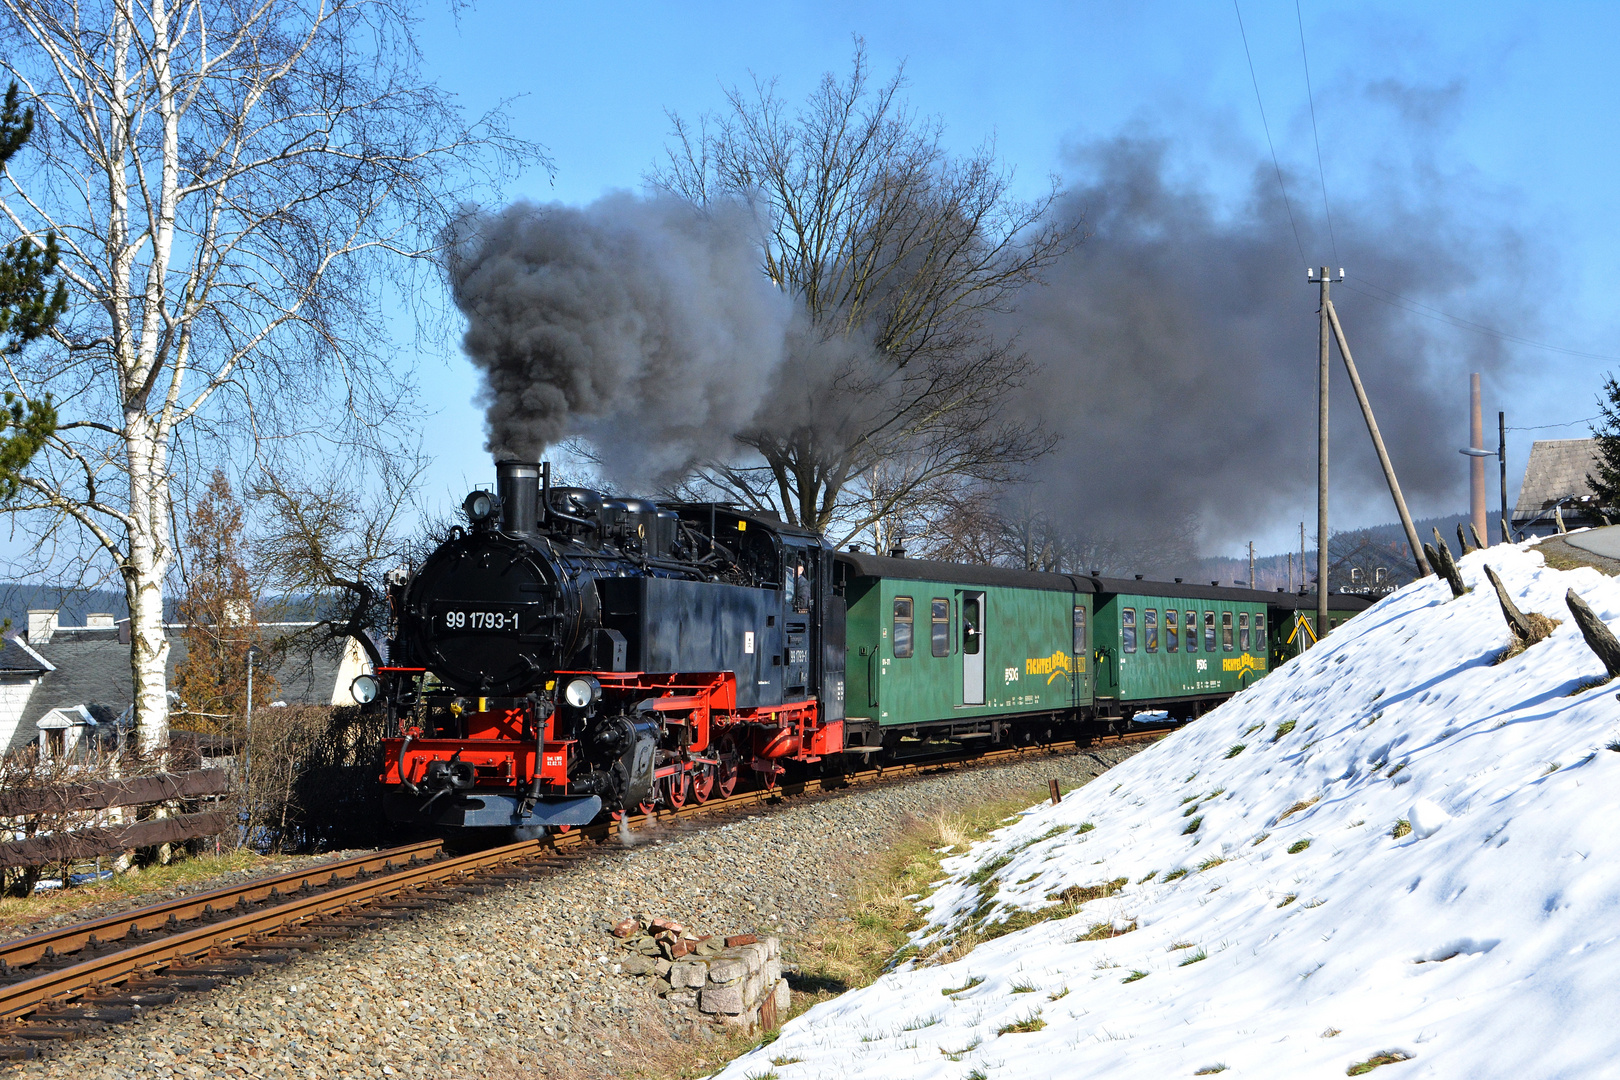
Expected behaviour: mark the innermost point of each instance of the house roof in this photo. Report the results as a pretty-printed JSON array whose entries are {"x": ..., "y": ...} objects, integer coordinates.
[
  {"x": 1556, "y": 471},
  {"x": 17, "y": 659},
  {"x": 98, "y": 672}
]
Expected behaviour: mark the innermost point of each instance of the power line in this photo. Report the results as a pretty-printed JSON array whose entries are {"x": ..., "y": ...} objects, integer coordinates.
[
  {"x": 1406, "y": 303},
  {"x": 1311, "y": 97},
  {"x": 1267, "y": 126},
  {"x": 1544, "y": 427}
]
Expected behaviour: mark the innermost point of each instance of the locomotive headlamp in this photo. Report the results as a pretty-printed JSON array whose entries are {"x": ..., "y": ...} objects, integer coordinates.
[
  {"x": 480, "y": 507},
  {"x": 363, "y": 689},
  {"x": 582, "y": 692}
]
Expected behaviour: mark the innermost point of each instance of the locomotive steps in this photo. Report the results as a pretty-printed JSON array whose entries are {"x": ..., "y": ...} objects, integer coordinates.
[{"x": 1395, "y": 852}]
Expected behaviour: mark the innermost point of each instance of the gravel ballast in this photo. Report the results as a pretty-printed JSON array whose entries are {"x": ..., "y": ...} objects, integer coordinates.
[{"x": 523, "y": 981}]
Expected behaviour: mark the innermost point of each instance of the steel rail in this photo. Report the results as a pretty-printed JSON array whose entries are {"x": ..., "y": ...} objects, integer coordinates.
[
  {"x": 23, "y": 997},
  {"x": 70, "y": 939},
  {"x": 173, "y": 949}
]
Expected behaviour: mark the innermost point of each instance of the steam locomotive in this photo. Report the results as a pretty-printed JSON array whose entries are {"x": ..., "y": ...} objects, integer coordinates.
[{"x": 565, "y": 655}]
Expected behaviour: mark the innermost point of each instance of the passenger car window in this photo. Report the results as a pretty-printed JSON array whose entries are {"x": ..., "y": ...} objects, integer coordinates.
[
  {"x": 1209, "y": 631},
  {"x": 1243, "y": 631},
  {"x": 1127, "y": 629},
  {"x": 1150, "y": 628},
  {"x": 971, "y": 607},
  {"x": 1171, "y": 631},
  {"x": 1260, "y": 634},
  {"x": 1226, "y": 631},
  {"x": 939, "y": 628},
  {"x": 902, "y": 627},
  {"x": 1192, "y": 631},
  {"x": 1079, "y": 630}
]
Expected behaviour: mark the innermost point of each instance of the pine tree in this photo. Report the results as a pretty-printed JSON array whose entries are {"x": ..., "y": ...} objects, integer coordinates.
[
  {"x": 1606, "y": 482},
  {"x": 29, "y": 308},
  {"x": 219, "y": 610}
]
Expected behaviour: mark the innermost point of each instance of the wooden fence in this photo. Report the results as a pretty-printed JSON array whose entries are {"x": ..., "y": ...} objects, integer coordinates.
[{"x": 92, "y": 842}]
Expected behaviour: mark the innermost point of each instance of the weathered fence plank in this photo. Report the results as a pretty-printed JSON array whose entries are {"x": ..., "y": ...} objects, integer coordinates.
[
  {"x": 90, "y": 843},
  {"x": 104, "y": 794}
]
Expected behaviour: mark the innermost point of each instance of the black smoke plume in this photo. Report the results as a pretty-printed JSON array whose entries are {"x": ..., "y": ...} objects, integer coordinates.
[
  {"x": 1178, "y": 344},
  {"x": 641, "y": 324}
]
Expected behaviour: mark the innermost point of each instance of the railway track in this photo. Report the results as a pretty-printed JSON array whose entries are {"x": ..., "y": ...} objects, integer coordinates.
[{"x": 68, "y": 982}]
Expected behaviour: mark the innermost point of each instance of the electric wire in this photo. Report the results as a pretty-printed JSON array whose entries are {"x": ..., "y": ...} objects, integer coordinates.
[
  {"x": 1544, "y": 427},
  {"x": 1289, "y": 206},
  {"x": 1406, "y": 303},
  {"x": 1316, "y": 135}
]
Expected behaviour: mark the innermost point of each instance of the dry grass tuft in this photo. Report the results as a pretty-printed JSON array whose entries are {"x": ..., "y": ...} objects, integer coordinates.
[
  {"x": 1402, "y": 827},
  {"x": 1388, "y": 1057},
  {"x": 1296, "y": 808}
]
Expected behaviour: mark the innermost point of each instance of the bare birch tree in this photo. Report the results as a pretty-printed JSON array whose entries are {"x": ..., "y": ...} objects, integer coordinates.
[
  {"x": 898, "y": 253},
  {"x": 233, "y": 185}
]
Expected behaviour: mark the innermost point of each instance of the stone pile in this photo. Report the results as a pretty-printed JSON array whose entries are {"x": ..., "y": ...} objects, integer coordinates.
[{"x": 735, "y": 982}]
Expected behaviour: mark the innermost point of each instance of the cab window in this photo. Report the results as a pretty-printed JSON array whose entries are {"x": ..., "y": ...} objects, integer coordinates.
[
  {"x": 902, "y": 627},
  {"x": 1243, "y": 631},
  {"x": 1150, "y": 628},
  {"x": 1192, "y": 631},
  {"x": 1172, "y": 632},
  {"x": 1079, "y": 630},
  {"x": 1209, "y": 631},
  {"x": 1226, "y": 631},
  {"x": 939, "y": 628},
  {"x": 1127, "y": 629}
]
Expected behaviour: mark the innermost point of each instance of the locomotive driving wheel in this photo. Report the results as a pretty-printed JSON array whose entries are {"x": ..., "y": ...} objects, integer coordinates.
[
  {"x": 725, "y": 779},
  {"x": 702, "y": 783},
  {"x": 674, "y": 789}
]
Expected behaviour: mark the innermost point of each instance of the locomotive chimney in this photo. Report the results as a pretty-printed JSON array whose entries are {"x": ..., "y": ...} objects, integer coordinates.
[{"x": 518, "y": 485}]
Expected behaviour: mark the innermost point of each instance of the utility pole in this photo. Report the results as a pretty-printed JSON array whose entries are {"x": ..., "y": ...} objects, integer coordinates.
[
  {"x": 1377, "y": 439},
  {"x": 1501, "y": 459},
  {"x": 1251, "y": 564},
  {"x": 1322, "y": 456},
  {"x": 1303, "y": 575},
  {"x": 1290, "y": 571}
]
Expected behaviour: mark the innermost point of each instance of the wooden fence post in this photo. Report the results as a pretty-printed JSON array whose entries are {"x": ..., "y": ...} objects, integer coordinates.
[{"x": 1598, "y": 636}]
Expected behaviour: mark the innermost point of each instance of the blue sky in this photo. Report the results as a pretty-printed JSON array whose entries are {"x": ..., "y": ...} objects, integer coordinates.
[{"x": 1515, "y": 103}]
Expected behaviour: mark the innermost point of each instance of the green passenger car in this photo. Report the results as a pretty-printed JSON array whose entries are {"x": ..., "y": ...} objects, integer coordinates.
[
  {"x": 958, "y": 647},
  {"x": 1164, "y": 646}
]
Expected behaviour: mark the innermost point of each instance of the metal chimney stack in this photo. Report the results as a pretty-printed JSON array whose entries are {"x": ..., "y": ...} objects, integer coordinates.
[{"x": 1476, "y": 465}]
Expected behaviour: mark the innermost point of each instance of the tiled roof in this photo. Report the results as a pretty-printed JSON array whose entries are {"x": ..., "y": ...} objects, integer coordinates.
[
  {"x": 16, "y": 660},
  {"x": 1557, "y": 470},
  {"x": 98, "y": 672}
]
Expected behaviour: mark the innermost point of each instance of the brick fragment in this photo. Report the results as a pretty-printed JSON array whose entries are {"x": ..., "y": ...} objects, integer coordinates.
[
  {"x": 740, "y": 939},
  {"x": 661, "y": 926},
  {"x": 679, "y": 949},
  {"x": 625, "y": 927}
]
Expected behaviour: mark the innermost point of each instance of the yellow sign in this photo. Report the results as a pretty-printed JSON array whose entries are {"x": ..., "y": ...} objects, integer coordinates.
[
  {"x": 1243, "y": 663},
  {"x": 1059, "y": 663}
]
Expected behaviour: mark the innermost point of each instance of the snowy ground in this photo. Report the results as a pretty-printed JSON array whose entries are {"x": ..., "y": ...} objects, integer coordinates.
[{"x": 1282, "y": 929}]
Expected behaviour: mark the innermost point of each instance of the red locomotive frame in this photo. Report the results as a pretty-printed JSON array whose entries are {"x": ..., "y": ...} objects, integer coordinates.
[{"x": 713, "y": 738}]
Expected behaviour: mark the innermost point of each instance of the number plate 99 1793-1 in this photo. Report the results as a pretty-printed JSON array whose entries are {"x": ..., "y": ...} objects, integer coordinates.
[{"x": 479, "y": 620}]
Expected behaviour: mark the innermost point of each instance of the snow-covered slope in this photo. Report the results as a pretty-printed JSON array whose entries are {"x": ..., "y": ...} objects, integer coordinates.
[{"x": 1281, "y": 927}]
